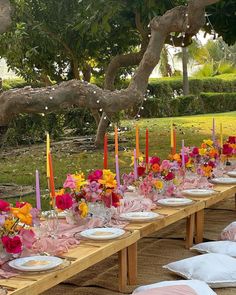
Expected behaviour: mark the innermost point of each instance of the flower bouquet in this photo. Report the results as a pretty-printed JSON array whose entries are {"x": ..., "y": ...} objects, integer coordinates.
[
  {"x": 229, "y": 149},
  {"x": 15, "y": 228}
]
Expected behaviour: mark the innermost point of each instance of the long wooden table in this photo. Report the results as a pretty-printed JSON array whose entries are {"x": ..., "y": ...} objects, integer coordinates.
[{"x": 90, "y": 253}]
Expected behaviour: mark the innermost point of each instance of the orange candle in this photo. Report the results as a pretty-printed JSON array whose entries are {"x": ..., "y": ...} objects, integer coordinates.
[
  {"x": 137, "y": 141},
  {"x": 116, "y": 141},
  {"x": 174, "y": 141},
  {"x": 105, "y": 165},
  {"x": 51, "y": 179}
]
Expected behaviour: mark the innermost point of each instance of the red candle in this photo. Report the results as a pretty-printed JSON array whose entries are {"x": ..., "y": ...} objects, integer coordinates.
[
  {"x": 147, "y": 146},
  {"x": 105, "y": 165},
  {"x": 51, "y": 179}
]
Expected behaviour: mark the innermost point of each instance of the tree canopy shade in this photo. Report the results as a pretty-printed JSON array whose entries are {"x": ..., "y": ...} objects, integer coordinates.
[{"x": 59, "y": 39}]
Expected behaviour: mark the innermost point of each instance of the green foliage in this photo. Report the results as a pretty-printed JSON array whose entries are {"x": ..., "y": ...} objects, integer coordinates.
[{"x": 218, "y": 102}]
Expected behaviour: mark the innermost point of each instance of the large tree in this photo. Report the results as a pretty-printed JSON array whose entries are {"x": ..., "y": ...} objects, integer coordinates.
[{"x": 176, "y": 25}]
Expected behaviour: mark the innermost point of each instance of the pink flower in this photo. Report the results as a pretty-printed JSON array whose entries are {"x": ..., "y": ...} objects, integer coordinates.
[
  {"x": 35, "y": 216},
  {"x": 70, "y": 182},
  {"x": 64, "y": 201},
  {"x": 27, "y": 237},
  {"x": 13, "y": 245},
  {"x": 95, "y": 176},
  {"x": 169, "y": 176},
  {"x": 4, "y": 206},
  {"x": 170, "y": 190},
  {"x": 155, "y": 160},
  {"x": 165, "y": 165}
]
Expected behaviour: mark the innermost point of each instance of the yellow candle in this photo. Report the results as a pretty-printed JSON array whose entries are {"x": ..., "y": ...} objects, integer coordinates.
[
  {"x": 221, "y": 135},
  {"x": 116, "y": 141},
  {"x": 171, "y": 135},
  {"x": 47, "y": 153},
  {"x": 137, "y": 141}
]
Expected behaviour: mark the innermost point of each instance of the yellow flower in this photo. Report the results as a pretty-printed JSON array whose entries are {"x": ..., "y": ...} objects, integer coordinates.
[
  {"x": 189, "y": 164},
  {"x": 177, "y": 157},
  {"x": 202, "y": 152},
  {"x": 208, "y": 142},
  {"x": 60, "y": 192},
  {"x": 140, "y": 159},
  {"x": 83, "y": 208},
  {"x": 108, "y": 179},
  {"x": 23, "y": 213},
  {"x": 158, "y": 184},
  {"x": 79, "y": 181},
  {"x": 8, "y": 225}
]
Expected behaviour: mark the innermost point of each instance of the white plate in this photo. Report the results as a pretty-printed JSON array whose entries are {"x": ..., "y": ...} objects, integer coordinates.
[
  {"x": 224, "y": 180},
  {"x": 139, "y": 216},
  {"x": 198, "y": 192},
  {"x": 232, "y": 173},
  {"x": 35, "y": 263},
  {"x": 102, "y": 233},
  {"x": 173, "y": 202}
]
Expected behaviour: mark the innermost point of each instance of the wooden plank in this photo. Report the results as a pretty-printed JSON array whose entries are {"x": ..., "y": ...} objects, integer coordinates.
[
  {"x": 199, "y": 226},
  {"x": 132, "y": 264}
]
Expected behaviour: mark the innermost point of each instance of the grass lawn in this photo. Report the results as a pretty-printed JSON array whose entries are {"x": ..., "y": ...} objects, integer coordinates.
[{"x": 19, "y": 165}]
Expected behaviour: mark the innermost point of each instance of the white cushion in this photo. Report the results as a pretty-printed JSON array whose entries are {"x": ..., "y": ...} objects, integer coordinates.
[
  {"x": 217, "y": 270},
  {"x": 229, "y": 233},
  {"x": 201, "y": 288},
  {"x": 222, "y": 247}
]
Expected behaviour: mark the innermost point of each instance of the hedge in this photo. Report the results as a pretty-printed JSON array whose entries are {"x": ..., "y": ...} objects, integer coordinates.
[{"x": 190, "y": 105}]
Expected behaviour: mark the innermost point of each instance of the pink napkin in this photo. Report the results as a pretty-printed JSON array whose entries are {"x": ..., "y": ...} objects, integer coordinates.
[{"x": 169, "y": 290}]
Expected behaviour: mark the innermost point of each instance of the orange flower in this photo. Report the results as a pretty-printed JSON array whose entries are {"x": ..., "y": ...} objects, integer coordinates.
[
  {"x": 155, "y": 167},
  {"x": 23, "y": 213}
]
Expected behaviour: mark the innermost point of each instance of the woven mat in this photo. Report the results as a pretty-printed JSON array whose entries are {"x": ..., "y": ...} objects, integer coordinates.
[{"x": 154, "y": 251}]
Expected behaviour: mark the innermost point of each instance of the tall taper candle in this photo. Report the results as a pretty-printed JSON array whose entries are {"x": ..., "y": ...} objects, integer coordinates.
[
  {"x": 52, "y": 185},
  {"x": 213, "y": 130},
  {"x": 135, "y": 166},
  {"x": 147, "y": 146},
  {"x": 221, "y": 135},
  {"x": 137, "y": 141},
  {"x": 117, "y": 171},
  {"x": 105, "y": 165},
  {"x": 183, "y": 155},
  {"x": 38, "y": 196},
  {"x": 116, "y": 141},
  {"x": 174, "y": 141},
  {"x": 47, "y": 152},
  {"x": 171, "y": 135}
]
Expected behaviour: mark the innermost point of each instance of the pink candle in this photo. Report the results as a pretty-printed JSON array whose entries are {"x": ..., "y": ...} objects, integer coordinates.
[
  {"x": 38, "y": 196},
  {"x": 135, "y": 166},
  {"x": 117, "y": 171},
  {"x": 182, "y": 153}
]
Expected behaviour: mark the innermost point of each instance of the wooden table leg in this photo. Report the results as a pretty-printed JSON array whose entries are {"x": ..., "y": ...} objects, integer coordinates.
[
  {"x": 190, "y": 231},
  {"x": 199, "y": 226},
  {"x": 132, "y": 264},
  {"x": 122, "y": 256}
]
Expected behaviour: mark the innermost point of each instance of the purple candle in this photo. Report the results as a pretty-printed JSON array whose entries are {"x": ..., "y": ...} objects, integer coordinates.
[
  {"x": 117, "y": 172},
  {"x": 182, "y": 153},
  {"x": 38, "y": 197},
  {"x": 135, "y": 166},
  {"x": 213, "y": 130}
]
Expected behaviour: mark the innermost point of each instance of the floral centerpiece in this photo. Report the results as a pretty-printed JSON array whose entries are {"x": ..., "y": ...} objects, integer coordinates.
[
  {"x": 78, "y": 192},
  {"x": 229, "y": 148},
  {"x": 15, "y": 227}
]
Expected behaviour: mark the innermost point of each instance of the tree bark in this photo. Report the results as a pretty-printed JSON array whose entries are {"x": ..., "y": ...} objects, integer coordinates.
[
  {"x": 185, "y": 71},
  {"x": 5, "y": 15},
  {"x": 82, "y": 94}
]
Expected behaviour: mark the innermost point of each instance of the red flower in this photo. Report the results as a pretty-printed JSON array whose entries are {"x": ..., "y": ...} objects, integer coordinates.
[
  {"x": 169, "y": 176},
  {"x": 4, "y": 206},
  {"x": 195, "y": 152},
  {"x": 20, "y": 204},
  {"x": 212, "y": 164},
  {"x": 12, "y": 245},
  {"x": 227, "y": 150},
  {"x": 64, "y": 201},
  {"x": 155, "y": 160},
  {"x": 232, "y": 139},
  {"x": 115, "y": 199},
  {"x": 141, "y": 170}
]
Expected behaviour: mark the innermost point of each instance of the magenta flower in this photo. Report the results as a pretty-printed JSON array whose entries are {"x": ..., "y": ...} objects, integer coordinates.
[
  {"x": 64, "y": 202},
  {"x": 155, "y": 160},
  {"x": 169, "y": 176},
  {"x": 227, "y": 149},
  {"x": 95, "y": 175},
  {"x": 4, "y": 206},
  {"x": 232, "y": 139},
  {"x": 13, "y": 245},
  {"x": 128, "y": 179},
  {"x": 70, "y": 182}
]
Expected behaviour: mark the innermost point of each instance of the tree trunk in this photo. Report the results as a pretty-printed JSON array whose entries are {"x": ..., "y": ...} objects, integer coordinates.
[
  {"x": 102, "y": 128},
  {"x": 185, "y": 71},
  {"x": 5, "y": 15}
]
